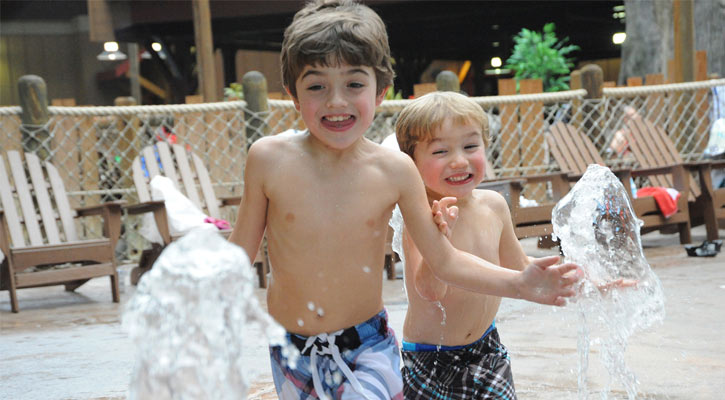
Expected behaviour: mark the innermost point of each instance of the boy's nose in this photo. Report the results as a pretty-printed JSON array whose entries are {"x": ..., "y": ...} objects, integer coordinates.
[
  {"x": 458, "y": 160},
  {"x": 336, "y": 99}
]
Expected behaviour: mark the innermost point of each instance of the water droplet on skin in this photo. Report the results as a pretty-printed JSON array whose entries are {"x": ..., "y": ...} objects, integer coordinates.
[
  {"x": 311, "y": 306},
  {"x": 366, "y": 269},
  {"x": 320, "y": 312},
  {"x": 300, "y": 322}
]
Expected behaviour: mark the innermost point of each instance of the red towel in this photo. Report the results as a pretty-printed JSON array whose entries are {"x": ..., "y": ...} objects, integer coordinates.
[{"x": 665, "y": 198}]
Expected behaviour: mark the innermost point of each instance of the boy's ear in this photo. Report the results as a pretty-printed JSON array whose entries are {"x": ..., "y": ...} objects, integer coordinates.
[
  {"x": 379, "y": 99},
  {"x": 294, "y": 99}
]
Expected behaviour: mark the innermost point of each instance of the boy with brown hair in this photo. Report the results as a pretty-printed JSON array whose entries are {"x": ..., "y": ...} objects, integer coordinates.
[{"x": 324, "y": 198}]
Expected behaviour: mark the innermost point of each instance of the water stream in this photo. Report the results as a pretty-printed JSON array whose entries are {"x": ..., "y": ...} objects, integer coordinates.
[
  {"x": 187, "y": 320},
  {"x": 599, "y": 231}
]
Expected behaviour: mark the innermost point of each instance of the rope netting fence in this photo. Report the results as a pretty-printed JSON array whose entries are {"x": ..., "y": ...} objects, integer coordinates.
[{"x": 94, "y": 147}]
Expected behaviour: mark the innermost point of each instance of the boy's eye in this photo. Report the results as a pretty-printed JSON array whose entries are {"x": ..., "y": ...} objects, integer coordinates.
[
  {"x": 439, "y": 152},
  {"x": 314, "y": 87},
  {"x": 471, "y": 146},
  {"x": 356, "y": 85}
]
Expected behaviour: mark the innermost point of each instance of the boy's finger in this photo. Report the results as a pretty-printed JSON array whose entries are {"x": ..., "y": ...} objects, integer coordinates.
[
  {"x": 545, "y": 262},
  {"x": 447, "y": 202},
  {"x": 453, "y": 212}
]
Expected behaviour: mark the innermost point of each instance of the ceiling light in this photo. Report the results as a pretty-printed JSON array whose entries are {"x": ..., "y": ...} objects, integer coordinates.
[
  {"x": 496, "y": 62},
  {"x": 156, "y": 46},
  {"x": 111, "y": 52},
  {"x": 619, "y": 38}
]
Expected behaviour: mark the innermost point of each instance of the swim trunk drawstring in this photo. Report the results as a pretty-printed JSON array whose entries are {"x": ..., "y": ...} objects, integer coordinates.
[{"x": 328, "y": 347}]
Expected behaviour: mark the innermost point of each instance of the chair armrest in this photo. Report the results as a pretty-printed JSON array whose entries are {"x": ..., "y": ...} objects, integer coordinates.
[
  {"x": 99, "y": 209},
  {"x": 148, "y": 206},
  {"x": 4, "y": 236},
  {"x": 231, "y": 201},
  {"x": 667, "y": 169},
  {"x": 158, "y": 208},
  {"x": 111, "y": 213}
]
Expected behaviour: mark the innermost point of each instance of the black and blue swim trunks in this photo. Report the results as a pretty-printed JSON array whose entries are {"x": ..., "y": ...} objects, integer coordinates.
[{"x": 480, "y": 370}]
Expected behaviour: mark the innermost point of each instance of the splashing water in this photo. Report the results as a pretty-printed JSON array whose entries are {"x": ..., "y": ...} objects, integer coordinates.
[
  {"x": 396, "y": 222},
  {"x": 599, "y": 231},
  {"x": 187, "y": 321}
]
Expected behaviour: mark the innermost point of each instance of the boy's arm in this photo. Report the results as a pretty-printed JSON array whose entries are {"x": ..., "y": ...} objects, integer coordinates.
[
  {"x": 540, "y": 283},
  {"x": 510, "y": 252},
  {"x": 252, "y": 215}
]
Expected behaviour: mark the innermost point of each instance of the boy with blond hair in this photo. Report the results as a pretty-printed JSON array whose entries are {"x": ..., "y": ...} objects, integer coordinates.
[
  {"x": 451, "y": 348},
  {"x": 324, "y": 198}
]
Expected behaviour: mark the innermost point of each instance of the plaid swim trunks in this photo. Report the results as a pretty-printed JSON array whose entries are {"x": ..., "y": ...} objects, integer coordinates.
[
  {"x": 361, "y": 362},
  {"x": 480, "y": 370}
]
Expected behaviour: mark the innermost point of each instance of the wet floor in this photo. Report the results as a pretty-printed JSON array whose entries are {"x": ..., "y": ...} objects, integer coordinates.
[{"x": 72, "y": 346}]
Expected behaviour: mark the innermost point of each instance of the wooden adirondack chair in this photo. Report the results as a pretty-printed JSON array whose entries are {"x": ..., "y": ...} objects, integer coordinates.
[
  {"x": 528, "y": 221},
  {"x": 191, "y": 177},
  {"x": 29, "y": 240},
  {"x": 652, "y": 148},
  {"x": 574, "y": 152}
]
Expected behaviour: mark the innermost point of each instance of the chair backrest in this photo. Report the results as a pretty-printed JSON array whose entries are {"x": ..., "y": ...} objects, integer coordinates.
[
  {"x": 22, "y": 199},
  {"x": 189, "y": 176},
  {"x": 652, "y": 147},
  {"x": 572, "y": 150}
]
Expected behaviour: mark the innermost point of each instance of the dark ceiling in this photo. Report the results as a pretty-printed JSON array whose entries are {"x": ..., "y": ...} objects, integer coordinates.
[{"x": 419, "y": 31}]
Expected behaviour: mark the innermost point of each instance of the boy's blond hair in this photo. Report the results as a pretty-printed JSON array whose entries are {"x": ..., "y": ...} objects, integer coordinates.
[
  {"x": 333, "y": 32},
  {"x": 424, "y": 115}
]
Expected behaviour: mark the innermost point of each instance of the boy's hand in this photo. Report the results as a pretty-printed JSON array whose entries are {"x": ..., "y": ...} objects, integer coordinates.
[
  {"x": 546, "y": 283},
  {"x": 445, "y": 214},
  {"x": 619, "y": 283}
]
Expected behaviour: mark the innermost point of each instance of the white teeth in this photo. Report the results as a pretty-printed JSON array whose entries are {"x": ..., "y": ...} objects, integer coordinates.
[
  {"x": 337, "y": 118},
  {"x": 458, "y": 178}
]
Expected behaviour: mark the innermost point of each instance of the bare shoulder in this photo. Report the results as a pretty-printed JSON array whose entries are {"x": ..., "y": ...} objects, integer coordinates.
[
  {"x": 492, "y": 200},
  {"x": 394, "y": 162},
  {"x": 273, "y": 148}
]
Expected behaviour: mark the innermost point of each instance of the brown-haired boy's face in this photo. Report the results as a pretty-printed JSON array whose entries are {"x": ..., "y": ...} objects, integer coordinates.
[
  {"x": 453, "y": 162},
  {"x": 337, "y": 103}
]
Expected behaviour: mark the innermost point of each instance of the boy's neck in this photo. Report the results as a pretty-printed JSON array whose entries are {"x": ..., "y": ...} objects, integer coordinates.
[{"x": 324, "y": 150}]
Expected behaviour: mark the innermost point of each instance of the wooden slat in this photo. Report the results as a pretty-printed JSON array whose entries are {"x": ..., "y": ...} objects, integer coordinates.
[
  {"x": 186, "y": 175},
  {"x": 61, "y": 202},
  {"x": 25, "y": 199},
  {"x": 140, "y": 181},
  {"x": 41, "y": 278},
  {"x": 167, "y": 163},
  {"x": 41, "y": 196},
  {"x": 8, "y": 205},
  {"x": 206, "y": 187},
  {"x": 152, "y": 165}
]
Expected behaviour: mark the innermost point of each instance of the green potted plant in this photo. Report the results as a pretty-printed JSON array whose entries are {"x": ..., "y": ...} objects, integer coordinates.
[{"x": 541, "y": 55}]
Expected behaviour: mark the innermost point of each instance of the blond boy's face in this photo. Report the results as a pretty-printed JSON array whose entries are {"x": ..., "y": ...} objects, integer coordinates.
[
  {"x": 337, "y": 103},
  {"x": 453, "y": 163}
]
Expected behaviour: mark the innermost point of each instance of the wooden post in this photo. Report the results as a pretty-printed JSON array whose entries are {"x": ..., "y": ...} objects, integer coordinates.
[
  {"x": 134, "y": 73},
  {"x": 34, "y": 102},
  {"x": 575, "y": 82},
  {"x": 447, "y": 81},
  {"x": 510, "y": 144},
  {"x": 592, "y": 79},
  {"x": 532, "y": 137},
  {"x": 684, "y": 25},
  {"x": 127, "y": 145},
  {"x": 204, "y": 49},
  {"x": 254, "y": 86}
]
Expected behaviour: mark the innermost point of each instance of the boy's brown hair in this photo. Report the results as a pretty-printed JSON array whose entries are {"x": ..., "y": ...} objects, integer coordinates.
[
  {"x": 333, "y": 32},
  {"x": 424, "y": 115}
]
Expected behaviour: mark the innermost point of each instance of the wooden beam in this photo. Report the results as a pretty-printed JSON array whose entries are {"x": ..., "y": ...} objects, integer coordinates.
[
  {"x": 204, "y": 49},
  {"x": 684, "y": 26}
]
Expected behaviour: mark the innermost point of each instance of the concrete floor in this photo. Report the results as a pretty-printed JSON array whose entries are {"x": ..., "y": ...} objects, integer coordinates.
[{"x": 71, "y": 345}]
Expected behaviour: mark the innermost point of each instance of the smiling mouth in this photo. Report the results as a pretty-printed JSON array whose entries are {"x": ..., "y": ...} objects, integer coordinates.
[
  {"x": 338, "y": 121},
  {"x": 459, "y": 179}
]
